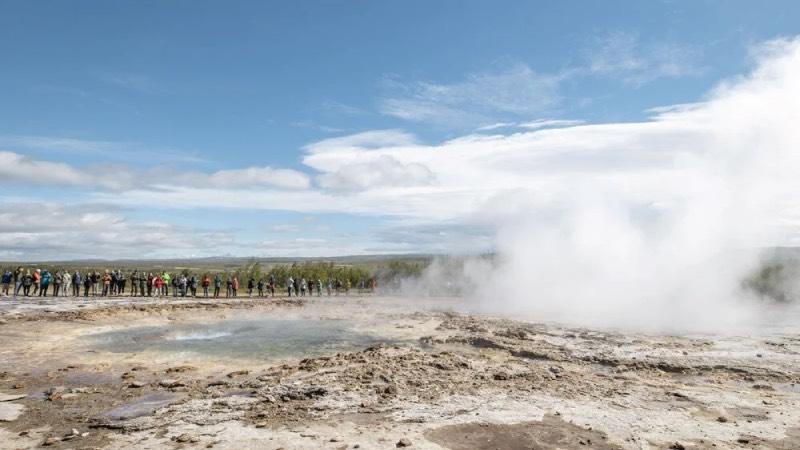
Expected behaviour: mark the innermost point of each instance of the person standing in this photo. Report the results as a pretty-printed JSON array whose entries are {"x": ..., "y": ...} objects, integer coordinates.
[
  {"x": 18, "y": 276},
  {"x": 77, "y": 281},
  {"x": 143, "y": 280},
  {"x": 66, "y": 283},
  {"x": 303, "y": 287},
  {"x": 150, "y": 282},
  {"x": 37, "y": 281},
  {"x": 229, "y": 287},
  {"x": 260, "y": 286},
  {"x": 193, "y": 285},
  {"x": 272, "y": 285},
  {"x": 112, "y": 285},
  {"x": 182, "y": 284},
  {"x": 289, "y": 286},
  {"x": 57, "y": 280},
  {"x": 235, "y": 286},
  {"x": 205, "y": 283},
  {"x": 44, "y": 283},
  {"x": 88, "y": 283},
  {"x": 27, "y": 282},
  {"x": 319, "y": 287},
  {"x": 158, "y": 285},
  {"x": 217, "y": 284},
  {"x": 167, "y": 280},
  {"x": 106, "y": 284},
  {"x": 251, "y": 284},
  {"x": 134, "y": 282},
  {"x": 7, "y": 277},
  {"x": 122, "y": 282},
  {"x": 95, "y": 282}
]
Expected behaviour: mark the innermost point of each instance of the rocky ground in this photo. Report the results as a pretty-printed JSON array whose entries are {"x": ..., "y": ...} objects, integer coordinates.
[{"x": 444, "y": 380}]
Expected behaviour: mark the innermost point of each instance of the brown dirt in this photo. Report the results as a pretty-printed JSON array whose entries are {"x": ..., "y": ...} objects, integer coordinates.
[{"x": 551, "y": 433}]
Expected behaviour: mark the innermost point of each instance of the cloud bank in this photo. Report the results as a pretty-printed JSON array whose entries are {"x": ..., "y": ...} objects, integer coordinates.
[{"x": 737, "y": 143}]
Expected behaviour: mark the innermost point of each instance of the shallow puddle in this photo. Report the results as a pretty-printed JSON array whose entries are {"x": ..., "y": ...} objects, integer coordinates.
[
  {"x": 143, "y": 406},
  {"x": 252, "y": 339}
]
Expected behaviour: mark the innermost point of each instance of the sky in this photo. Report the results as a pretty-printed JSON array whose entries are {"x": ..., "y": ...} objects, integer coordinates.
[{"x": 160, "y": 129}]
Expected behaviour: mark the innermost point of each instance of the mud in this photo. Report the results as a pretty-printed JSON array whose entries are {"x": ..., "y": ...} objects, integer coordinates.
[
  {"x": 549, "y": 433},
  {"x": 436, "y": 378}
]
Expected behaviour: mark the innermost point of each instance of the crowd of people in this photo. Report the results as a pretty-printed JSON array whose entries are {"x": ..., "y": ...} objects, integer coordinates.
[{"x": 63, "y": 283}]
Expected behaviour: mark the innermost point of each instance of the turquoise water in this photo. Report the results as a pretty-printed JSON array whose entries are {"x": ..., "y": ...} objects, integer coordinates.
[{"x": 252, "y": 339}]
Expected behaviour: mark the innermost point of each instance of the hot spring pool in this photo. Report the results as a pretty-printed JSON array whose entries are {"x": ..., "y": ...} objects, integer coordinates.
[{"x": 265, "y": 339}]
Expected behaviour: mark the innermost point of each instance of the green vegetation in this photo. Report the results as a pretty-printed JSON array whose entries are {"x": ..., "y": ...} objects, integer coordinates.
[{"x": 773, "y": 280}]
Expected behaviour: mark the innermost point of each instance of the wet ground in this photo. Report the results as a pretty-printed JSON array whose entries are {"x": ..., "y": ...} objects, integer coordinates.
[
  {"x": 375, "y": 373},
  {"x": 256, "y": 338}
]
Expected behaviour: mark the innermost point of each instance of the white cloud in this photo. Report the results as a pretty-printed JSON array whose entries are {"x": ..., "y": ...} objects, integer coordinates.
[
  {"x": 549, "y": 123},
  {"x": 255, "y": 177},
  {"x": 647, "y": 163},
  {"x": 517, "y": 90},
  {"x": 23, "y": 169},
  {"x": 285, "y": 228},
  {"x": 623, "y": 55},
  {"x": 15, "y": 167},
  {"x": 380, "y": 171},
  {"x": 745, "y": 127},
  {"x": 108, "y": 150},
  {"x": 341, "y": 108},
  {"x": 364, "y": 140},
  {"x": 480, "y": 99},
  {"x": 41, "y": 230},
  {"x": 495, "y": 126}
]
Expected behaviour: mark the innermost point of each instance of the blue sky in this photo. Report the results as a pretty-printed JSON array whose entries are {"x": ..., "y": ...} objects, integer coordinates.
[{"x": 107, "y": 107}]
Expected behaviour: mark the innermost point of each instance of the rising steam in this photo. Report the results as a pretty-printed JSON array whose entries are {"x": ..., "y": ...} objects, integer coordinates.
[{"x": 671, "y": 256}]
